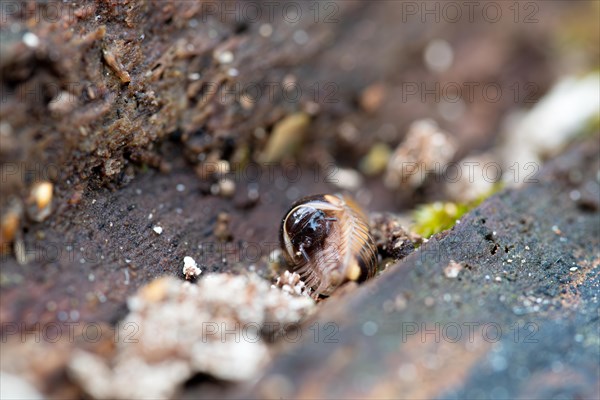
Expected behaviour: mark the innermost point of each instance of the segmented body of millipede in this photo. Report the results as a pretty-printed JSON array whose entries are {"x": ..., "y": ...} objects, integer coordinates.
[{"x": 326, "y": 239}]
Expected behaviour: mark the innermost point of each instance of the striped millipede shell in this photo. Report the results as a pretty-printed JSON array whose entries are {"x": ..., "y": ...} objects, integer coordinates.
[{"x": 325, "y": 238}]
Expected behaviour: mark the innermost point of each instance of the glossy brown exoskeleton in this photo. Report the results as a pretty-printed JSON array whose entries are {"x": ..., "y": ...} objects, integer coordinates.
[{"x": 326, "y": 239}]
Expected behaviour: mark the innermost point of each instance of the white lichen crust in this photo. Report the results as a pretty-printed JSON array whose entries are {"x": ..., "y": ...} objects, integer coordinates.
[{"x": 175, "y": 330}]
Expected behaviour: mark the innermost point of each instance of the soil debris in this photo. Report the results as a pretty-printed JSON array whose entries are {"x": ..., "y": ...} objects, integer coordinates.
[{"x": 426, "y": 149}]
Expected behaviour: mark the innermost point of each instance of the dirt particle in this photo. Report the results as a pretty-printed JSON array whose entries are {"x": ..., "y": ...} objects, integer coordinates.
[
  {"x": 425, "y": 147},
  {"x": 226, "y": 187},
  {"x": 39, "y": 202},
  {"x": 453, "y": 269},
  {"x": 224, "y": 57},
  {"x": 287, "y": 136},
  {"x": 112, "y": 61},
  {"x": 221, "y": 230},
  {"x": 372, "y": 97}
]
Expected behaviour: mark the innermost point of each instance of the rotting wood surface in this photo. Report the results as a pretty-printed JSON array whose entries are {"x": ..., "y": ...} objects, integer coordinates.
[{"x": 519, "y": 321}]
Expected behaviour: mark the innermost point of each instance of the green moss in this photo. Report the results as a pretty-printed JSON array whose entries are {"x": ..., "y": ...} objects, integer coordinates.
[{"x": 436, "y": 217}]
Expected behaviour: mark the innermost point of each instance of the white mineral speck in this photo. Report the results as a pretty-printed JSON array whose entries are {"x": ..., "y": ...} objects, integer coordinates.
[
  {"x": 300, "y": 37},
  {"x": 575, "y": 195},
  {"x": 31, "y": 40},
  {"x": 573, "y": 269},
  {"x": 190, "y": 268},
  {"x": 438, "y": 55},
  {"x": 225, "y": 57},
  {"x": 265, "y": 30},
  {"x": 370, "y": 328},
  {"x": 62, "y": 316},
  {"x": 453, "y": 269},
  {"x": 158, "y": 229},
  {"x": 180, "y": 187}
]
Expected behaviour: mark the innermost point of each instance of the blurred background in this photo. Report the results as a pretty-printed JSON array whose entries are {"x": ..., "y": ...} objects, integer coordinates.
[{"x": 136, "y": 133}]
